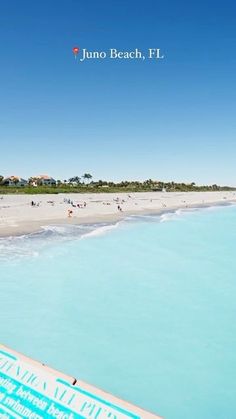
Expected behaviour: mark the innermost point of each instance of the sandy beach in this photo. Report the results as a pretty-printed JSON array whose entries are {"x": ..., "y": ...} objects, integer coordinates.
[{"x": 22, "y": 214}]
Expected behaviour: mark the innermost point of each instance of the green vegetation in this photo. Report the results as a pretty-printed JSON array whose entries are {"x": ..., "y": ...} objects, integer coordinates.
[{"x": 75, "y": 185}]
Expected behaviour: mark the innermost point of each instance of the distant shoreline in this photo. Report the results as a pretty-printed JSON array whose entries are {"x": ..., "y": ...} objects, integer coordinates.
[{"x": 19, "y": 217}]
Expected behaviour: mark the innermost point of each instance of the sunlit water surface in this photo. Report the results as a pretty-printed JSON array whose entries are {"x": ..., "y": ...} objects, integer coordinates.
[{"x": 145, "y": 308}]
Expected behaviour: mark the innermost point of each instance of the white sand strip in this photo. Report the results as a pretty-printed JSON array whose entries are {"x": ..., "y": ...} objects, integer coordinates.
[{"x": 19, "y": 216}]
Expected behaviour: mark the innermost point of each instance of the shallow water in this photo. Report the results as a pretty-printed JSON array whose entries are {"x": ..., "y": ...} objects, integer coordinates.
[{"x": 144, "y": 308}]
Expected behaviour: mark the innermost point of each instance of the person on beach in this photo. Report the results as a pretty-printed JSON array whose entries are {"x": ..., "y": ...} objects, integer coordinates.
[{"x": 70, "y": 212}]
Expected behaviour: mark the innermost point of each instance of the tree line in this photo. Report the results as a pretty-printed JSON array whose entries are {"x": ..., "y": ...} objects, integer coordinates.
[{"x": 86, "y": 181}]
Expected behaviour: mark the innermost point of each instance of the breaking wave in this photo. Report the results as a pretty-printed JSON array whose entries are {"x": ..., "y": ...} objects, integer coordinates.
[{"x": 31, "y": 245}]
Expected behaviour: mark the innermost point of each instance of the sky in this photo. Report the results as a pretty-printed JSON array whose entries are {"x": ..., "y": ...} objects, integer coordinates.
[{"x": 169, "y": 119}]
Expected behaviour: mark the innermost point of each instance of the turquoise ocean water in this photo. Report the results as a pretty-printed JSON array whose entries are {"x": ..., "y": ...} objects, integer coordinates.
[{"x": 145, "y": 308}]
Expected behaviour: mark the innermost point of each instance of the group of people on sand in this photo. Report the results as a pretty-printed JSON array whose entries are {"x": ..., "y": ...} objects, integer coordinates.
[
  {"x": 34, "y": 204},
  {"x": 70, "y": 202},
  {"x": 70, "y": 211},
  {"x": 119, "y": 202}
]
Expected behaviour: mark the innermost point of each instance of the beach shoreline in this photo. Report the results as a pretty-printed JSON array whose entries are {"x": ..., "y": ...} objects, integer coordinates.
[{"x": 19, "y": 217}]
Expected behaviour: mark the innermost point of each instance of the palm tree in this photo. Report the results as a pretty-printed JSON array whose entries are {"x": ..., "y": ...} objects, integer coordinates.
[
  {"x": 75, "y": 179},
  {"x": 87, "y": 177}
]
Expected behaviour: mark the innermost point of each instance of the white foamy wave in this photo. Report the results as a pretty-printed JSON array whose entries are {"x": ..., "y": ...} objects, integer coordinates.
[
  {"x": 100, "y": 230},
  {"x": 179, "y": 211},
  {"x": 33, "y": 244},
  {"x": 57, "y": 229},
  {"x": 60, "y": 229},
  {"x": 174, "y": 215},
  {"x": 168, "y": 217},
  {"x": 63, "y": 232},
  {"x": 16, "y": 248}
]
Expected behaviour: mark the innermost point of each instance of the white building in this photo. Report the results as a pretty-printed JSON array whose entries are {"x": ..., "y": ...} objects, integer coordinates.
[
  {"x": 14, "y": 181},
  {"x": 45, "y": 180}
]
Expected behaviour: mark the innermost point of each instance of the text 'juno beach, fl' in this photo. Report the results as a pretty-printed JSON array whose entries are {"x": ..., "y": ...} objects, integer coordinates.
[{"x": 115, "y": 54}]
